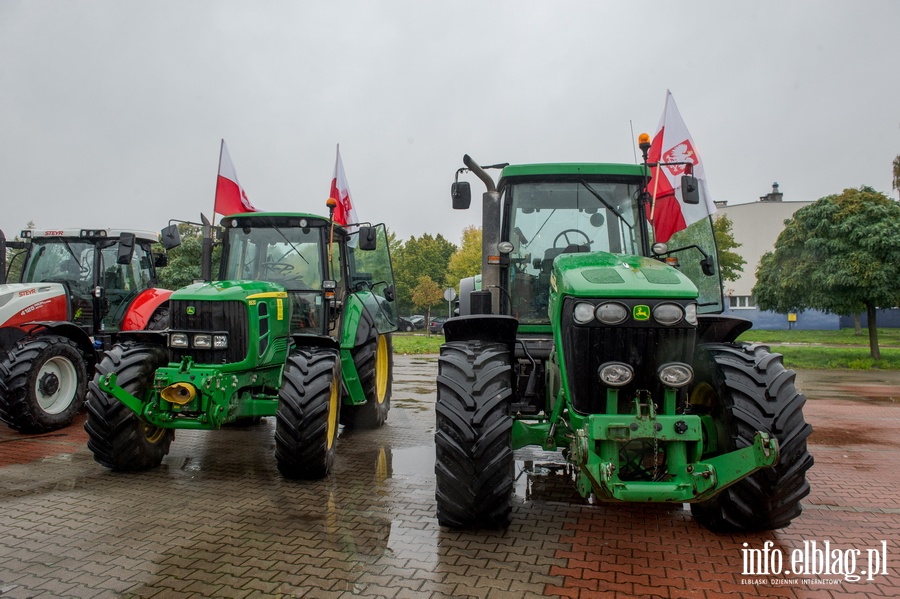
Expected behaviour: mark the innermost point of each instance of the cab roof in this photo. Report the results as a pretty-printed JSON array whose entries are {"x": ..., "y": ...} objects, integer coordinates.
[
  {"x": 88, "y": 233},
  {"x": 566, "y": 170}
]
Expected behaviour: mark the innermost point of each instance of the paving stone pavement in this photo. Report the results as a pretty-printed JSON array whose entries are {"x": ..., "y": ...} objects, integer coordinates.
[{"x": 217, "y": 520}]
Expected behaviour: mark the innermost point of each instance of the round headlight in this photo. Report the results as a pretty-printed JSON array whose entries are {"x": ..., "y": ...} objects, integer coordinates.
[
  {"x": 584, "y": 313},
  {"x": 505, "y": 247},
  {"x": 675, "y": 374},
  {"x": 611, "y": 313},
  {"x": 615, "y": 374},
  {"x": 660, "y": 248},
  {"x": 690, "y": 313},
  {"x": 668, "y": 314}
]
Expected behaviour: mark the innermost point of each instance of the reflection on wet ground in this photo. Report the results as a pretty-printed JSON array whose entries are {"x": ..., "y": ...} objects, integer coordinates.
[{"x": 217, "y": 519}]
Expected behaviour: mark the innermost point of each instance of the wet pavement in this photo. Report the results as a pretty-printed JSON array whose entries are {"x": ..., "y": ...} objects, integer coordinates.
[{"x": 217, "y": 520}]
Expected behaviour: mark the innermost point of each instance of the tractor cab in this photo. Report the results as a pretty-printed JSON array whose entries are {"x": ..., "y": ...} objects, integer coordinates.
[{"x": 103, "y": 271}]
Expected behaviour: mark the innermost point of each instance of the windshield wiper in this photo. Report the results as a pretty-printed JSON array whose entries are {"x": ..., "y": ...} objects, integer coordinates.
[
  {"x": 609, "y": 206},
  {"x": 293, "y": 247}
]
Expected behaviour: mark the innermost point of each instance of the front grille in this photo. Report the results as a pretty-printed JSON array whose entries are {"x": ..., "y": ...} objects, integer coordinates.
[
  {"x": 208, "y": 317},
  {"x": 644, "y": 347}
]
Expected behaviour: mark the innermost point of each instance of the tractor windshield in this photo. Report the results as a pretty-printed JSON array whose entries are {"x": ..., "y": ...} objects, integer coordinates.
[
  {"x": 548, "y": 218},
  {"x": 290, "y": 256}
]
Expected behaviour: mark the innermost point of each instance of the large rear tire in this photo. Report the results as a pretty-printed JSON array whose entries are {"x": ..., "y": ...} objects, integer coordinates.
[
  {"x": 374, "y": 360},
  {"x": 45, "y": 379},
  {"x": 306, "y": 423},
  {"x": 474, "y": 458},
  {"x": 748, "y": 389},
  {"x": 119, "y": 439}
]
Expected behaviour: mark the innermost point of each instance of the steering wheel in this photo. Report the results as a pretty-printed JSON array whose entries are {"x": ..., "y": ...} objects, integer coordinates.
[
  {"x": 565, "y": 235},
  {"x": 279, "y": 268}
]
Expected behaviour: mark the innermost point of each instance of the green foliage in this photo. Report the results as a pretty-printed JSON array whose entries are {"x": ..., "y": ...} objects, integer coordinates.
[
  {"x": 414, "y": 343},
  {"x": 840, "y": 254},
  {"x": 896, "y": 181},
  {"x": 731, "y": 264},
  {"x": 184, "y": 261},
  {"x": 466, "y": 261},
  {"x": 427, "y": 256},
  {"x": 427, "y": 294}
]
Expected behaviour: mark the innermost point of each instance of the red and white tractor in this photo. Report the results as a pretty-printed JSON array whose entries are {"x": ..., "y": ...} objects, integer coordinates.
[{"x": 76, "y": 290}]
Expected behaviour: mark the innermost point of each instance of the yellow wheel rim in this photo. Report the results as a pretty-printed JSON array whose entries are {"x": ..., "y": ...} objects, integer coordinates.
[
  {"x": 382, "y": 364},
  {"x": 703, "y": 396},
  {"x": 153, "y": 434},
  {"x": 333, "y": 410}
]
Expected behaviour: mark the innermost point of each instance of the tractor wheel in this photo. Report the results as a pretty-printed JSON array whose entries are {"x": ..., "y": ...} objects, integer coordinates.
[
  {"x": 306, "y": 423},
  {"x": 374, "y": 361},
  {"x": 747, "y": 389},
  {"x": 474, "y": 460},
  {"x": 119, "y": 439},
  {"x": 45, "y": 383},
  {"x": 160, "y": 319}
]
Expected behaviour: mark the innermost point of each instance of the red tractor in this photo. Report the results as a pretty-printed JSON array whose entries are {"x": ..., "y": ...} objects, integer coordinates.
[{"x": 77, "y": 289}]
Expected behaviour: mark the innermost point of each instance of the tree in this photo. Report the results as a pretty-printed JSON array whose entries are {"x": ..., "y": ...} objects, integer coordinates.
[
  {"x": 465, "y": 261},
  {"x": 840, "y": 255},
  {"x": 426, "y": 294},
  {"x": 426, "y": 255},
  {"x": 731, "y": 264},
  {"x": 896, "y": 182},
  {"x": 15, "y": 259},
  {"x": 184, "y": 261}
]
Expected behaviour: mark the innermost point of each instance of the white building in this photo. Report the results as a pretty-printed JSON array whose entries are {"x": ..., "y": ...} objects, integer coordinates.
[{"x": 756, "y": 228}]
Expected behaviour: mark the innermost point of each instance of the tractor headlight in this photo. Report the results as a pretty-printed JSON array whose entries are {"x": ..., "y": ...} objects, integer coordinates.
[
  {"x": 220, "y": 341},
  {"x": 178, "y": 340},
  {"x": 668, "y": 314},
  {"x": 675, "y": 374},
  {"x": 690, "y": 313},
  {"x": 203, "y": 341},
  {"x": 611, "y": 313},
  {"x": 584, "y": 312},
  {"x": 615, "y": 374}
]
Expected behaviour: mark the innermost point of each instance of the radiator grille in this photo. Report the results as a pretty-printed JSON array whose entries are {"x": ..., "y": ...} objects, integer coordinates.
[{"x": 211, "y": 316}]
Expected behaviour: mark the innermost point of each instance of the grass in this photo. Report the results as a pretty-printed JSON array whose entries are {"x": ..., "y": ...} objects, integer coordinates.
[{"x": 801, "y": 349}]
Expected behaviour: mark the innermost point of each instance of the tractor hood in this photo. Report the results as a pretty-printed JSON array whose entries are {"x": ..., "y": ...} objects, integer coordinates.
[
  {"x": 601, "y": 274},
  {"x": 226, "y": 290}
]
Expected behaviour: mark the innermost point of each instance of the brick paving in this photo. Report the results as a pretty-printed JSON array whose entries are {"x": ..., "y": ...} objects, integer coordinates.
[{"x": 217, "y": 520}]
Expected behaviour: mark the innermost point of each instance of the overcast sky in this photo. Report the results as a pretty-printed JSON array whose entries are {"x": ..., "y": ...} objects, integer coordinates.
[{"x": 111, "y": 112}]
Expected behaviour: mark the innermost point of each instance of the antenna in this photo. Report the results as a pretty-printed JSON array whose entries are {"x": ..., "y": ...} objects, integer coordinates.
[{"x": 633, "y": 149}]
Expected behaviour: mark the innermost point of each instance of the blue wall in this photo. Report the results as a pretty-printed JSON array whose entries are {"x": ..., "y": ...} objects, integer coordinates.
[
  {"x": 811, "y": 320},
  {"x": 888, "y": 319}
]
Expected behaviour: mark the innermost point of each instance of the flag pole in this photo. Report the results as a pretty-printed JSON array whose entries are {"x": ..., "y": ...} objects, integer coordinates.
[{"x": 219, "y": 170}]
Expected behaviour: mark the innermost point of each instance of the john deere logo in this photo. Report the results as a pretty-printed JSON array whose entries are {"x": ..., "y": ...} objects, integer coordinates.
[
  {"x": 641, "y": 312},
  {"x": 192, "y": 310}
]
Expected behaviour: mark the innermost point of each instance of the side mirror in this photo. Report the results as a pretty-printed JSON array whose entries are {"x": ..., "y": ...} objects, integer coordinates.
[
  {"x": 126, "y": 248},
  {"x": 389, "y": 293},
  {"x": 368, "y": 238},
  {"x": 690, "y": 190},
  {"x": 170, "y": 237},
  {"x": 707, "y": 266},
  {"x": 461, "y": 194}
]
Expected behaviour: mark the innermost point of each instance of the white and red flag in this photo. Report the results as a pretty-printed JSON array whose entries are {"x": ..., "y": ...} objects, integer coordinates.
[
  {"x": 673, "y": 144},
  {"x": 344, "y": 212},
  {"x": 230, "y": 196}
]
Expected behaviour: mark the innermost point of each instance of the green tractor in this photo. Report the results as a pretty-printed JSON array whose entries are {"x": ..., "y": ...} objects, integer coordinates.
[
  {"x": 582, "y": 334},
  {"x": 297, "y": 327}
]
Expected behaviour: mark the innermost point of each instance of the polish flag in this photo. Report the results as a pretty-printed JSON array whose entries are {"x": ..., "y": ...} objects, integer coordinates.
[
  {"x": 230, "y": 196},
  {"x": 668, "y": 213},
  {"x": 344, "y": 212}
]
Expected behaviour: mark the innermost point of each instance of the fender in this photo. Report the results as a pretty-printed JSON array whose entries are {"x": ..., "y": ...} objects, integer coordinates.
[
  {"x": 9, "y": 337},
  {"x": 142, "y": 308}
]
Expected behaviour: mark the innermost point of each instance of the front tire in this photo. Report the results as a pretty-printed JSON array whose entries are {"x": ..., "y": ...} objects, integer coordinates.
[
  {"x": 119, "y": 438},
  {"x": 306, "y": 423},
  {"x": 747, "y": 389},
  {"x": 45, "y": 379},
  {"x": 374, "y": 361},
  {"x": 474, "y": 458}
]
